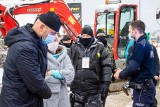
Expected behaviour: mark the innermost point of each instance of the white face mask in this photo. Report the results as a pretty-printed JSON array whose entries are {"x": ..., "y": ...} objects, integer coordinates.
[
  {"x": 53, "y": 46},
  {"x": 129, "y": 36}
]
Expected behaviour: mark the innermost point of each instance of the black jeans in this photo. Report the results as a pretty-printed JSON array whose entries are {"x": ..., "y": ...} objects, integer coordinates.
[{"x": 87, "y": 100}]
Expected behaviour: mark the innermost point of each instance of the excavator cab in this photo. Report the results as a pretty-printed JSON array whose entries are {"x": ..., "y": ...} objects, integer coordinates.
[{"x": 114, "y": 20}]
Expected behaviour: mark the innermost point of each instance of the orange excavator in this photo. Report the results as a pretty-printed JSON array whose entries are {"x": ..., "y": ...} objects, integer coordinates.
[
  {"x": 8, "y": 13},
  {"x": 113, "y": 18}
]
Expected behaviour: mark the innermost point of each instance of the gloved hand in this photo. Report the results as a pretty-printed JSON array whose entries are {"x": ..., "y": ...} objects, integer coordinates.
[
  {"x": 56, "y": 74},
  {"x": 105, "y": 88},
  {"x": 104, "y": 91}
]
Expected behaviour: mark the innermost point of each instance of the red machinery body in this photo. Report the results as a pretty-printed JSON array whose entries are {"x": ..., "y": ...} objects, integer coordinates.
[
  {"x": 70, "y": 24},
  {"x": 118, "y": 12}
]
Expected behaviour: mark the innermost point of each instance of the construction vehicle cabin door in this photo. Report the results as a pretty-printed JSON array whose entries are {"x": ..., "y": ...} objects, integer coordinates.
[
  {"x": 115, "y": 25},
  {"x": 126, "y": 16},
  {"x": 105, "y": 21}
]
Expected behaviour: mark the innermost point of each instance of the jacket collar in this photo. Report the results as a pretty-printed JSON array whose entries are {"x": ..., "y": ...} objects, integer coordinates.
[
  {"x": 141, "y": 38},
  {"x": 61, "y": 56}
]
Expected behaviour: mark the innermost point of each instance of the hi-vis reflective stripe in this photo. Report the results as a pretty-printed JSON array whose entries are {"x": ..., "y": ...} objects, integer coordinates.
[
  {"x": 52, "y": 9},
  {"x": 99, "y": 55}
]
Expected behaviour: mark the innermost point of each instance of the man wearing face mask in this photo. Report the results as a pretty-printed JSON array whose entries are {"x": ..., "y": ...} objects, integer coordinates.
[
  {"x": 100, "y": 35},
  {"x": 26, "y": 63},
  {"x": 92, "y": 65},
  {"x": 66, "y": 41},
  {"x": 140, "y": 68}
]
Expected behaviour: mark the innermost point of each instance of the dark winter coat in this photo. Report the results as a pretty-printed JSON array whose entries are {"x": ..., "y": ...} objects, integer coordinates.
[
  {"x": 156, "y": 58},
  {"x": 156, "y": 61},
  {"x": 89, "y": 80},
  {"x": 140, "y": 65},
  {"x": 24, "y": 70}
]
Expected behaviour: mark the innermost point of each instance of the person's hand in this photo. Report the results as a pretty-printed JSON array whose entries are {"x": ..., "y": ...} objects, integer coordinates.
[
  {"x": 49, "y": 73},
  {"x": 156, "y": 78},
  {"x": 117, "y": 71}
]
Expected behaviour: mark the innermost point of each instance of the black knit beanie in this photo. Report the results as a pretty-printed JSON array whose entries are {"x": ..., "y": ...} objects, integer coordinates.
[
  {"x": 99, "y": 31},
  {"x": 51, "y": 20},
  {"x": 65, "y": 38},
  {"x": 87, "y": 30}
]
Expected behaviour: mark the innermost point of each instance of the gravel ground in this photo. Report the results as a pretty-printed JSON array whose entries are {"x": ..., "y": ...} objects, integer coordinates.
[{"x": 119, "y": 99}]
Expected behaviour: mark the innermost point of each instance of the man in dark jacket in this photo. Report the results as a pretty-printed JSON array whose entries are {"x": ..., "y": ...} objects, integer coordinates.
[
  {"x": 140, "y": 68},
  {"x": 102, "y": 38},
  {"x": 100, "y": 35},
  {"x": 156, "y": 64},
  {"x": 25, "y": 65},
  {"x": 92, "y": 65},
  {"x": 66, "y": 41}
]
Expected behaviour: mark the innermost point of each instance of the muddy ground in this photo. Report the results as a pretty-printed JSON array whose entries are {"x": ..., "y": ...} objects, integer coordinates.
[{"x": 119, "y": 99}]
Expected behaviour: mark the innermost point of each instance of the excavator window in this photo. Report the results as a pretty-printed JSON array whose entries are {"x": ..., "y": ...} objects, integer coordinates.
[
  {"x": 126, "y": 16},
  {"x": 106, "y": 23}
]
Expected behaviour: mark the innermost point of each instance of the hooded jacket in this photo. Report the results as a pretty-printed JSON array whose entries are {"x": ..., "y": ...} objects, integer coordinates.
[
  {"x": 24, "y": 70},
  {"x": 89, "y": 80},
  {"x": 58, "y": 87}
]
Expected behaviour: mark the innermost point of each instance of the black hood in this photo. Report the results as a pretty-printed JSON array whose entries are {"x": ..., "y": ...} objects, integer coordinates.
[{"x": 16, "y": 35}]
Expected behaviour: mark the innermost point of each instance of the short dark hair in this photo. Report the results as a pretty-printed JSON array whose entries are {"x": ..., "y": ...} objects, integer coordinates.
[{"x": 139, "y": 25}]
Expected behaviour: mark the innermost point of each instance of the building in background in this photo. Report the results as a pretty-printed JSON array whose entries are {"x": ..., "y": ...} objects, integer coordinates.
[
  {"x": 76, "y": 10},
  {"x": 88, "y": 9}
]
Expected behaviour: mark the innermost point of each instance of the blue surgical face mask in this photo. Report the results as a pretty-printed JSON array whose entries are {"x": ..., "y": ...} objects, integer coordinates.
[
  {"x": 129, "y": 36},
  {"x": 50, "y": 38}
]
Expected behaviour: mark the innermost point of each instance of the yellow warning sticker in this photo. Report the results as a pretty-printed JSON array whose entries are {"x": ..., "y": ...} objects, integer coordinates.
[
  {"x": 71, "y": 19},
  {"x": 51, "y": 9}
]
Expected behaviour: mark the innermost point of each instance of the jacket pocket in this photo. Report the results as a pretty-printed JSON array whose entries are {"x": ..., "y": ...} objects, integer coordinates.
[{"x": 54, "y": 84}]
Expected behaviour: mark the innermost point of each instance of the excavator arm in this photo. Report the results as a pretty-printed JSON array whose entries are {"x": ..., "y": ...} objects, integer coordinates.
[{"x": 70, "y": 24}]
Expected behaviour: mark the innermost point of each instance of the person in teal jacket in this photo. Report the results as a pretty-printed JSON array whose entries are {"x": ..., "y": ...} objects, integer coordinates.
[{"x": 131, "y": 43}]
